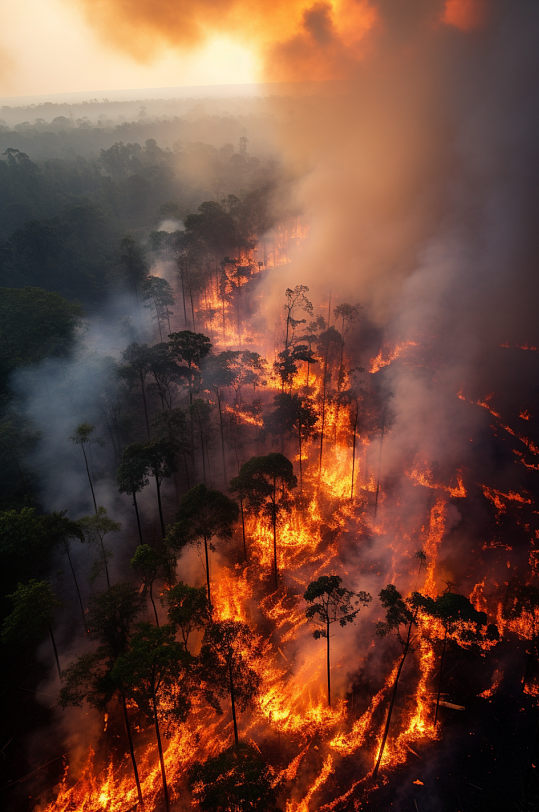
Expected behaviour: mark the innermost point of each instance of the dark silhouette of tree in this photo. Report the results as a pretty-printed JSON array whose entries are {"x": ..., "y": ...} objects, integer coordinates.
[
  {"x": 111, "y": 618},
  {"x": 461, "y": 622},
  {"x": 82, "y": 436},
  {"x": 137, "y": 365},
  {"x": 219, "y": 373},
  {"x": 150, "y": 671},
  {"x": 134, "y": 263},
  {"x": 173, "y": 426},
  {"x": 266, "y": 483},
  {"x": 348, "y": 314},
  {"x": 294, "y": 352},
  {"x": 399, "y": 612},
  {"x": 203, "y": 514},
  {"x": 58, "y": 532},
  {"x": 190, "y": 349},
  {"x": 149, "y": 564},
  {"x": 332, "y": 603},
  {"x": 157, "y": 294},
  {"x": 95, "y": 528},
  {"x": 224, "y": 668},
  {"x": 132, "y": 476},
  {"x": 32, "y": 616},
  {"x": 237, "y": 780},
  {"x": 293, "y": 416},
  {"x": 188, "y": 608},
  {"x": 158, "y": 459},
  {"x": 327, "y": 340}
]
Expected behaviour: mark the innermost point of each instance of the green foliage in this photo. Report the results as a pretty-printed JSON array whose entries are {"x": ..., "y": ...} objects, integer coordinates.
[
  {"x": 112, "y": 615},
  {"x": 33, "y": 608},
  {"x": 330, "y": 602},
  {"x": 172, "y": 426},
  {"x": 132, "y": 474},
  {"x": 88, "y": 679},
  {"x": 188, "y": 608},
  {"x": 202, "y": 514},
  {"x": 34, "y": 324},
  {"x": 83, "y": 434},
  {"x": 265, "y": 482},
  {"x": 461, "y": 621},
  {"x": 237, "y": 780},
  {"x": 152, "y": 669},
  {"x": 95, "y": 528},
  {"x": 399, "y": 612}
]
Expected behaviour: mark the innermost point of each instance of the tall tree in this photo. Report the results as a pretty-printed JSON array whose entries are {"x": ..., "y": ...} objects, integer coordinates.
[
  {"x": 95, "y": 528},
  {"x": 149, "y": 564},
  {"x": 137, "y": 365},
  {"x": 32, "y": 616},
  {"x": 150, "y": 671},
  {"x": 267, "y": 482},
  {"x": 399, "y": 612},
  {"x": 224, "y": 667},
  {"x": 332, "y": 603},
  {"x": 132, "y": 477},
  {"x": 82, "y": 436},
  {"x": 188, "y": 608},
  {"x": 295, "y": 416},
  {"x": 158, "y": 459},
  {"x": 190, "y": 349},
  {"x": 157, "y": 294},
  {"x": 202, "y": 515}
]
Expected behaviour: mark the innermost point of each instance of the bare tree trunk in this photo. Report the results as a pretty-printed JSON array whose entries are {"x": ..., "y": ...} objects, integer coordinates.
[
  {"x": 222, "y": 436},
  {"x": 392, "y": 703},
  {"x": 327, "y": 658},
  {"x": 354, "y": 455},
  {"x": 440, "y": 678},
  {"x": 89, "y": 477},
  {"x": 66, "y": 546},
  {"x": 159, "y": 505},
  {"x": 145, "y": 404},
  {"x": 207, "y": 573},
  {"x": 131, "y": 749},
  {"x": 160, "y": 749},
  {"x": 236, "y": 739},
  {"x": 53, "y": 641},
  {"x": 138, "y": 517}
]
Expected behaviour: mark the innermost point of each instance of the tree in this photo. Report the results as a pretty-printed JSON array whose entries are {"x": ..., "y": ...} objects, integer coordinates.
[
  {"x": 150, "y": 671},
  {"x": 165, "y": 373},
  {"x": 149, "y": 565},
  {"x": 58, "y": 531},
  {"x": 188, "y": 608},
  {"x": 224, "y": 668},
  {"x": 95, "y": 528},
  {"x": 173, "y": 426},
  {"x": 328, "y": 339},
  {"x": 111, "y": 618},
  {"x": 237, "y": 780},
  {"x": 137, "y": 363},
  {"x": 348, "y": 314},
  {"x": 292, "y": 415},
  {"x": 82, "y": 436},
  {"x": 399, "y": 612},
  {"x": 219, "y": 373},
  {"x": 522, "y": 604},
  {"x": 331, "y": 602},
  {"x": 266, "y": 483},
  {"x": 133, "y": 261},
  {"x": 32, "y": 616},
  {"x": 203, "y": 514},
  {"x": 461, "y": 622},
  {"x": 132, "y": 476},
  {"x": 157, "y": 294},
  {"x": 191, "y": 349},
  {"x": 155, "y": 458}
]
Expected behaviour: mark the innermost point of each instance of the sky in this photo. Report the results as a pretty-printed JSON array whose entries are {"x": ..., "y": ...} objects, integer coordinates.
[{"x": 47, "y": 47}]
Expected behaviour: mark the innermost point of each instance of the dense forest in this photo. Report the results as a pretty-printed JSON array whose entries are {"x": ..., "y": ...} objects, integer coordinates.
[{"x": 212, "y": 596}]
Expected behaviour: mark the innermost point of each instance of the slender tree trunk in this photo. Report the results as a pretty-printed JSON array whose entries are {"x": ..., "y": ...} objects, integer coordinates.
[
  {"x": 236, "y": 739},
  {"x": 354, "y": 455},
  {"x": 153, "y": 604},
  {"x": 183, "y": 296},
  {"x": 159, "y": 505},
  {"x": 276, "y": 574},
  {"x": 89, "y": 477},
  {"x": 243, "y": 528},
  {"x": 323, "y": 411},
  {"x": 53, "y": 641},
  {"x": 105, "y": 563},
  {"x": 222, "y": 436},
  {"x": 390, "y": 711},
  {"x": 327, "y": 657},
  {"x": 300, "y": 464},
  {"x": 145, "y": 404},
  {"x": 207, "y": 572},
  {"x": 379, "y": 467},
  {"x": 440, "y": 678},
  {"x": 66, "y": 546},
  {"x": 131, "y": 749},
  {"x": 138, "y": 517},
  {"x": 160, "y": 749}
]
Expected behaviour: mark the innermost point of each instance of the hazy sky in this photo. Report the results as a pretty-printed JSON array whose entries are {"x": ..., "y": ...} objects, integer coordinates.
[{"x": 46, "y": 47}]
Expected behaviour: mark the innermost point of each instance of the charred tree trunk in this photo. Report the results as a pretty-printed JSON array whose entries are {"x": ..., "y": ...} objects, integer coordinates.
[
  {"x": 159, "y": 505},
  {"x": 53, "y": 641},
  {"x": 207, "y": 573},
  {"x": 153, "y": 604},
  {"x": 160, "y": 749},
  {"x": 392, "y": 703},
  {"x": 327, "y": 658},
  {"x": 131, "y": 749},
  {"x": 222, "y": 436},
  {"x": 243, "y": 528},
  {"x": 89, "y": 477},
  {"x": 138, "y": 517},
  {"x": 233, "y": 702},
  {"x": 145, "y": 404},
  {"x": 66, "y": 546},
  {"x": 440, "y": 678},
  {"x": 354, "y": 455}
]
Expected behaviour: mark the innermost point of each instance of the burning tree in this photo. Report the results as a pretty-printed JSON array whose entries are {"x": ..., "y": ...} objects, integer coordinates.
[
  {"x": 111, "y": 618},
  {"x": 150, "y": 565},
  {"x": 295, "y": 416},
  {"x": 188, "y": 608},
  {"x": 203, "y": 514},
  {"x": 237, "y": 780},
  {"x": 224, "y": 666},
  {"x": 331, "y": 602},
  {"x": 150, "y": 671},
  {"x": 266, "y": 483},
  {"x": 399, "y": 612}
]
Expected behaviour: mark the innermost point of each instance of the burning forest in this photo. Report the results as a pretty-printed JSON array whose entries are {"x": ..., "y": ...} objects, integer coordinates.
[{"x": 269, "y": 505}]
